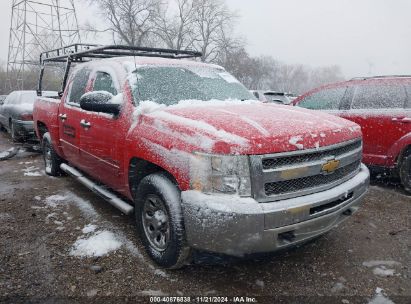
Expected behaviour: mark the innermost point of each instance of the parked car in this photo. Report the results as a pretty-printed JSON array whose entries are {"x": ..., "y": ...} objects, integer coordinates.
[
  {"x": 382, "y": 107},
  {"x": 16, "y": 114},
  {"x": 201, "y": 163},
  {"x": 275, "y": 97},
  {"x": 2, "y": 98}
]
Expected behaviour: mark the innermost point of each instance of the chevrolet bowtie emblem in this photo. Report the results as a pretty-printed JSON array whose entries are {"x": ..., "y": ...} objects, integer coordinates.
[{"x": 330, "y": 166}]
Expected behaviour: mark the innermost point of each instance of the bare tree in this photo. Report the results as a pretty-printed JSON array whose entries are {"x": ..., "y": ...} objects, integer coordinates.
[
  {"x": 212, "y": 19},
  {"x": 131, "y": 20},
  {"x": 175, "y": 29}
]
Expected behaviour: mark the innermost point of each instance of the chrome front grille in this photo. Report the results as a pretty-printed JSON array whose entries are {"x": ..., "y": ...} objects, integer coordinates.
[
  {"x": 271, "y": 163},
  {"x": 287, "y": 175},
  {"x": 310, "y": 182}
]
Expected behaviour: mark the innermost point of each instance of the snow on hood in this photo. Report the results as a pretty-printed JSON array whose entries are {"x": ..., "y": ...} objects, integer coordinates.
[{"x": 244, "y": 127}]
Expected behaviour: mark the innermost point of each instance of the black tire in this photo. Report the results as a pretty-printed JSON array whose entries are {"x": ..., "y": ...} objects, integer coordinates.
[
  {"x": 158, "y": 209},
  {"x": 52, "y": 161},
  {"x": 405, "y": 172}
]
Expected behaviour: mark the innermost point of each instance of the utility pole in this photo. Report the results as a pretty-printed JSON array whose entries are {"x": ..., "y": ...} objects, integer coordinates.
[{"x": 37, "y": 26}]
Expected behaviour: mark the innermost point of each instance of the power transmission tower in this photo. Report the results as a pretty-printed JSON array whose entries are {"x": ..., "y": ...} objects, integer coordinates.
[{"x": 36, "y": 26}]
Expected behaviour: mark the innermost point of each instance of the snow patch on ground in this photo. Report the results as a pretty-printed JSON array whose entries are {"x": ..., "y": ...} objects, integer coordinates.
[
  {"x": 94, "y": 243},
  {"x": 383, "y": 272},
  {"x": 31, "y": 171},
  {"x": 380, "y": 262},
  {"x": 150, "y": 292},
  {"x": 6, "y": 153},
  {"x": 51, "y": 216},
  {"x": 161, "y": 273},
  {"x": 97, "y": 245},
  {"x": 5, "y": 217},
  {"x": 85, "y": 207},
  {"x": 380, "y": 297},
  {"x": 380, "y": 267},
  {"x": 89, "y": 228},
  {"x": 337, "y": 287},
  {"x": 54, "y": 200},
  {"x": 37, "y": 173}
]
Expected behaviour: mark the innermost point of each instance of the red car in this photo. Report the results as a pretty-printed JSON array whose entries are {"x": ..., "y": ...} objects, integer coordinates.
[
  {"x": 382, "y": 107},
  {"x": 202, "y": 164}
]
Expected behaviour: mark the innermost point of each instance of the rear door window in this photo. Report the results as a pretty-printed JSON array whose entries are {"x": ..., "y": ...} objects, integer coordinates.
[
  {"x": 327, "y": 99},
  {"x": 104, "y": 82},
  {"x": 379, "y": 96},
  {"x": 78, "y": 85},
  {"x": 408, "y": 89}
]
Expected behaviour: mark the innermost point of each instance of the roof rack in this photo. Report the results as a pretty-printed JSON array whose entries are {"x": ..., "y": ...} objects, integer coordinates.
[
  {"x": 382, "y": 76},
  {"x": 81, "y": 52}
]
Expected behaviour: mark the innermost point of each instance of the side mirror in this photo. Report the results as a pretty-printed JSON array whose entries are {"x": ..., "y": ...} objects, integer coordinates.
[
  {"x": 99, "y": 102},
  {"x": 1, "y": 103}
]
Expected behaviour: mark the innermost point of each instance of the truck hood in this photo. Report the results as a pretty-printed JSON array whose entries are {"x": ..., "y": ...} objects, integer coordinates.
[{"x": 250, "y": 128}]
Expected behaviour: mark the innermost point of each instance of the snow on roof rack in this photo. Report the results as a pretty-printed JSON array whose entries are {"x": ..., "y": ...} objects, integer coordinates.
[
  {"x": 381, "y": 76},
  {"x": 81, "y": 52}
]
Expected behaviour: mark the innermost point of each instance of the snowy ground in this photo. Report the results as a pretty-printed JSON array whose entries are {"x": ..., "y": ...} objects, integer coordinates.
[{"x": 58, "y": 239}]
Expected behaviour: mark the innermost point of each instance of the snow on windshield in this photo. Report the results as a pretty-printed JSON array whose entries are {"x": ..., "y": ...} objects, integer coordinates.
[{"x": 171, "y": 84}]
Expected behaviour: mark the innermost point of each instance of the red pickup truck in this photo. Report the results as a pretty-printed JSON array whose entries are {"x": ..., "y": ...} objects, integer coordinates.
[
  {"x": 381, "y": 105},
  {"x": 202, "y": 164}
]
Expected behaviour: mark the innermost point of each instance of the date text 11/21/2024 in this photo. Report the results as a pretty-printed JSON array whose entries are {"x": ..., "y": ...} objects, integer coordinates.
[{"x": 203, "y": 299}]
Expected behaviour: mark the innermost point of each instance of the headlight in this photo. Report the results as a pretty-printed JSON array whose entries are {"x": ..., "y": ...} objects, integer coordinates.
[{"x": 229, "y": 174}]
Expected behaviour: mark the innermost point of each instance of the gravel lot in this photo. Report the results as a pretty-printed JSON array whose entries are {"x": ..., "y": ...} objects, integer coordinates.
[{"x": 366, "y": 259}]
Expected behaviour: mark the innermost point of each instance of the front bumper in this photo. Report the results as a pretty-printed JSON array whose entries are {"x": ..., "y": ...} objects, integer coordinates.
[
  {"x": 25, "y": 129},
  {"x": 239, "y": 226}
]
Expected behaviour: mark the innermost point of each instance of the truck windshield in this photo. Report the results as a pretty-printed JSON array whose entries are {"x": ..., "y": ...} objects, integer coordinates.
[{"x": 171, "y": 84}]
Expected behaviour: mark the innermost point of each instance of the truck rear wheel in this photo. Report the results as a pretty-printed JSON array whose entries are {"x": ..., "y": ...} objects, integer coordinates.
[
  {"x": 405, "y": 172},
  {"x": 160, "y": 222},
  {"x": 52, "y": 161}
]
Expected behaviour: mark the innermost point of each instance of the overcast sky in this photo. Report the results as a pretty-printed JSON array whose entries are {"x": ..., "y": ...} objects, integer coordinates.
[{"x": 361, "y": 36}]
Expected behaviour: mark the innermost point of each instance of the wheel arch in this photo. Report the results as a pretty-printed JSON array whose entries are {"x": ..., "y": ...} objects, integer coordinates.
[
  {"x": 41, "y": 129},
  {"x": 404, "y": 152},
  {"x": 140, "y": 168}
]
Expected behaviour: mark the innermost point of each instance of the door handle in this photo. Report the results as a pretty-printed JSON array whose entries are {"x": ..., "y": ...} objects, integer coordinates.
[
  {"x": 85, "y": 124},
  {"x": 403, "y": 120},
  {"x": 63, "y": 117}
]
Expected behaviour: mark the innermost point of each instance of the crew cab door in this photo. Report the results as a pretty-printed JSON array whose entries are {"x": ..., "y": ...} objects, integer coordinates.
[
  {"x": 101, "y": 138},
  {"x": 69, "y": 115},
  {"x": 380, "y": 110}
]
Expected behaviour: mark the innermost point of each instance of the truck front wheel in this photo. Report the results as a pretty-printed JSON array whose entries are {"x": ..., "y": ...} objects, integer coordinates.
[
  {"x": 405, "y": 172},
  {"x": 160, "y": 221},
  {"x": 51, "y": 160}
]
